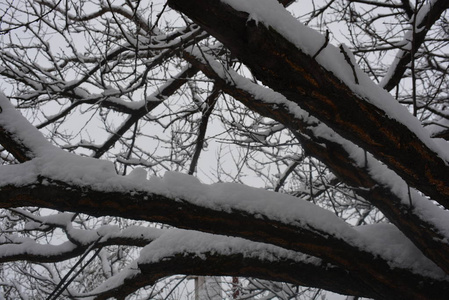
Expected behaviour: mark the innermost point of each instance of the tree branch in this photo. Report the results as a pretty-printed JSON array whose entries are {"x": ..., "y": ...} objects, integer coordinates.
[
  {"x": 249, "y": 259},
  {"x": 209, "y": 107},
  {"x": 157, "y": 98},
  {"x": 271, "y": 56},
  {"x": 404, "y": 57},
  {"x": 337, "y": 154},
  {"x": 340, "y": 249}
]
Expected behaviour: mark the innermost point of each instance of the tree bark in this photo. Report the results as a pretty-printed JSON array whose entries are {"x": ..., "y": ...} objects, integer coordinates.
[
  {"x": 423, "y": 234},
  {"x": 282, "y": 66},
  {"x": 386, "y": 281}
]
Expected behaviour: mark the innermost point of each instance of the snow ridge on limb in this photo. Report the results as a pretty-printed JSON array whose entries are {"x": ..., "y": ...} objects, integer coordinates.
[
  {"x": 69, "y": 182},
  {"x": 215, "y": 254},
  {"x": 414, "y": 214},
  {"x": 273, "y": 44},
  {"x": 179, "y": 252}
]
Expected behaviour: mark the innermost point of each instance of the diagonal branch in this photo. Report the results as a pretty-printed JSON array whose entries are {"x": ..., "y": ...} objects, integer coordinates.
[
  {"x": 364, "y": 114},
  {"x": 207, "y": 111},
  {"x": 338, "y": 154},
  {"x": 425, "y": 22}
]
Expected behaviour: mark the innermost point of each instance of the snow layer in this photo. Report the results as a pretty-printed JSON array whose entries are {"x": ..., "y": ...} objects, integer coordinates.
[
  {"x": 408, "y": 40},
  {"x": 382, "y": 174},
  {"x": 178, "y": 241},
  {"x": 385, "y": 239},
  {"x": 272, "y": 14},
  {"x": 388, "y": 240},
  {"x": 57, "y": 164}
]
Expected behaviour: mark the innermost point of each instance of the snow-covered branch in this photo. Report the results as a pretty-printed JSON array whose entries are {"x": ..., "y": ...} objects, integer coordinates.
[
  {"x": 326, "y": 87},
  {"x": 222, "y": 208},
  {"x": 14, "y": 247},
  {"x": 188, "y": 252},
  {"x": 422, "y": 21},
  {"x": 407, "y": 209}
]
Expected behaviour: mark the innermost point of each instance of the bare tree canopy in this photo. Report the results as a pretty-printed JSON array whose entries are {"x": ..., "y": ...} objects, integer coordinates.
[{"x": 300, "y": 146}]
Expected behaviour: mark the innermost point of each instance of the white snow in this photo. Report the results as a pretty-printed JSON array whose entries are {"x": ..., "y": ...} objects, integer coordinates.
[
  {"x": 277, "y": 206},
  {"x": 13, "y": 245},
  {"x": 32, "y": 248},
  {"x": 272, "y": 14},
  {"x": 53, "y": 163},
  {"x": 178, "y": 241},
  {"x": 408, "y": 40},
  {"x": 399, "y": 250},
  {"x": 384, "y": 240}
]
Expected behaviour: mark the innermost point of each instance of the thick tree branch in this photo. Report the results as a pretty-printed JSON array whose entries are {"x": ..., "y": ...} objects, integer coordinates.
[
  {"x": 386, "y": 280},
  {"x": 274, "y": 264},
  {"x": 317, "y": 142},
  {"x": 271, "y": 56}
]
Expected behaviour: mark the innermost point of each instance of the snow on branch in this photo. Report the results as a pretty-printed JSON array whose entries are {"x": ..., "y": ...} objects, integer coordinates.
[
  {"x": 414, "y": 37},
  {"x": 272, "y": 44},
  {"x": 64, "y": 181},
  {"x": 18, "y": 136},
  {"x": 369, "y": 178},
  {"x": 13, "y": 247},
  {"x": 182, "y": 252}
]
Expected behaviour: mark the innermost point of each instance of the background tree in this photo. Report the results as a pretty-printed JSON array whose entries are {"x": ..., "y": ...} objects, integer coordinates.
[{"x": 238, "y": 93}]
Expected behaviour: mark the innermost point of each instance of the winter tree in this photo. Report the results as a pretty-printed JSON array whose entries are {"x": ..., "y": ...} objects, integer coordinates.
[{"x": 286, "y": 147}]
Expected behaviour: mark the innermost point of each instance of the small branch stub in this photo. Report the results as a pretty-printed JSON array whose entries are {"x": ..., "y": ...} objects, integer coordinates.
[
  {"x": 326, "y": 42},
  {"x": 348, "y": 60}
]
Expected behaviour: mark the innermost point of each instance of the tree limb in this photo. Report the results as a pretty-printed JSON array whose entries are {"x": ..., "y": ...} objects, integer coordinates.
[
  {"x": 335, "y": 154},
  {"x": 270, "y": 56},
  {"x": 274, "y": 264},
  {"x": 404, "y": 57}
]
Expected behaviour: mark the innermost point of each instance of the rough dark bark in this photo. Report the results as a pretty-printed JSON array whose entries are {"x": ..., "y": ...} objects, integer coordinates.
[
  {"x": 385, "y": 281},
  {"x": 431, "y": 242},
  {"x": 321, "y": 276},
  {"x": 282, "y": 66}
]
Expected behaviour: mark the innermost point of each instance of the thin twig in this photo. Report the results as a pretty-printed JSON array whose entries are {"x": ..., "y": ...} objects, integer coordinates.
[
  {"x": 326, "y": 42},
  {"x": 348, "y": 60}
]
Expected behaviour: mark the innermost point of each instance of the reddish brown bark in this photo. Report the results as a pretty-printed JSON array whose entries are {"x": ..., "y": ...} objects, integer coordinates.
[
  {"x": 282, "y": 66},
  {"x": 383, "y": 280},
  {"x": 431, "y": 242}
]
